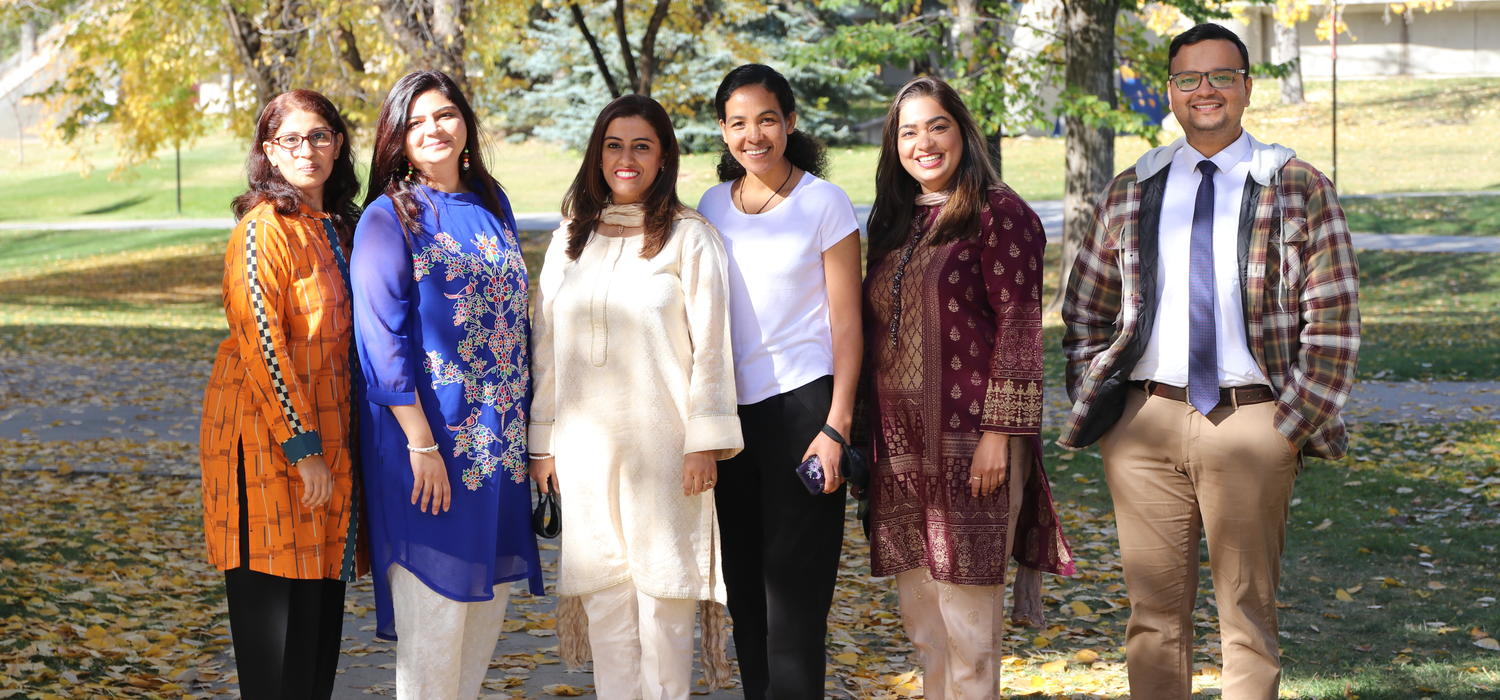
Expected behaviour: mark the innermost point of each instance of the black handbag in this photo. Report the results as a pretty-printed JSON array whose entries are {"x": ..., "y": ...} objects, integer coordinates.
[
  {"x": 546, "y": 517},
  {"x": 854, "y": 466},
  {"x": 857, "y": 472}
]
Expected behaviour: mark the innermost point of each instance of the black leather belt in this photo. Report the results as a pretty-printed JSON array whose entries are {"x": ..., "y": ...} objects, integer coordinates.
[{"x": 1228, "y": 396}]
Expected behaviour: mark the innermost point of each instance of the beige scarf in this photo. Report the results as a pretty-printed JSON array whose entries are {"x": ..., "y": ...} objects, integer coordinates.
[
  {"x": 934, "y": 199},
  {"x": 627, "y": 215}
]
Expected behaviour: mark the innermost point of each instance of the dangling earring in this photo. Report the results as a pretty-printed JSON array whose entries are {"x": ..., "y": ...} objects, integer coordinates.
[
  {"x": 465, "y": 164},
  {"x": 410, "y": 172}
]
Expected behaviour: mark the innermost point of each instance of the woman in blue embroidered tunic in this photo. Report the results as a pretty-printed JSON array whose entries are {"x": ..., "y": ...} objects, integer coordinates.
[{"x": 440, "y": 309}]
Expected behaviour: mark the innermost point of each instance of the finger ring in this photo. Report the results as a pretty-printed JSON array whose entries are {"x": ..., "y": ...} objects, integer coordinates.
[
  {"x": 974, "y": 478},
  {"x": 710, "y": 483}
]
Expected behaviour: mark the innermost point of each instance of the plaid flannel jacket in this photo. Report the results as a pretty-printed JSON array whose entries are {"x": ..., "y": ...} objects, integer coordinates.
[{"x": 1299, "y": 281}]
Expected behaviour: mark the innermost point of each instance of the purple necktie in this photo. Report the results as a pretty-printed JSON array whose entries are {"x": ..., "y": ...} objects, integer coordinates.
[{"x": 1203, "y": 345}]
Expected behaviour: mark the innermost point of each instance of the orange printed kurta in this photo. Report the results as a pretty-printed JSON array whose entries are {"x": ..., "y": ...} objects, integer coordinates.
[{"x": 280, "y": 390}]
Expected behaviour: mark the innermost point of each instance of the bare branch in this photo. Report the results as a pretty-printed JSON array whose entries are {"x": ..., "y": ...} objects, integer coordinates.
[
  {"x": 624, "y": 35},
  {"x": 588, "y": 36}
]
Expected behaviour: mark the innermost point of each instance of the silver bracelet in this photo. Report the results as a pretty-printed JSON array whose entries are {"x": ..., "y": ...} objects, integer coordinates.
[{"x": 422, "y": 450}]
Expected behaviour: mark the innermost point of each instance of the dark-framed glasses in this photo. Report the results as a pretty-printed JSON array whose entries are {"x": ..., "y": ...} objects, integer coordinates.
[
  {"x": 1189, "y": 80},
  {"x": 320, "y": 138}
]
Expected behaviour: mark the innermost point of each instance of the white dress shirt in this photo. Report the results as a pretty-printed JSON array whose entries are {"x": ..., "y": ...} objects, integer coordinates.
[{"x": 1165, "y": 359}]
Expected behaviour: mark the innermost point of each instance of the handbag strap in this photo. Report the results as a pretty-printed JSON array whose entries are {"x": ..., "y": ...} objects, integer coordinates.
[{"x": 830, "y": 432}]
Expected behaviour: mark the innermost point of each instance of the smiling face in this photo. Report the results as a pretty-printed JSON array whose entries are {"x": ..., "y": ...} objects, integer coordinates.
[
  {"x": 305, "y": 167},
  {"x": 632, "y": 158},
  {"x": 755, "y": 130},
  {"x": 929, "y": 143},
  {"x": 1209, "y": 115},
  {"x": 436, "y": 133}
]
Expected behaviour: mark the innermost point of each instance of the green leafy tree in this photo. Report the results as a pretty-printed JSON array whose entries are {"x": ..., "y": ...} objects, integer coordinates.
[{"x": 136, "y": 67}]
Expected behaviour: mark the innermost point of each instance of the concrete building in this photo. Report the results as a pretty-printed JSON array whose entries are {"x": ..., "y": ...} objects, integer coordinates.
[{"x": 1462, "y": 40}]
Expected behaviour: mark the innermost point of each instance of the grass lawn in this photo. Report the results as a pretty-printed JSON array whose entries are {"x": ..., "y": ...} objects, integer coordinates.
[
  {"x": 1426, "y": 315},
  {"x": 1435, "y": 215},
  {"x": 1396, "y": 135},
  {"x": 1430, "y": 315}
]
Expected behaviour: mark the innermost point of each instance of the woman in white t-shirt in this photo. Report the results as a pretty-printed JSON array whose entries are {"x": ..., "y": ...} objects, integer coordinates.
[{"x": 794, "y": 301}]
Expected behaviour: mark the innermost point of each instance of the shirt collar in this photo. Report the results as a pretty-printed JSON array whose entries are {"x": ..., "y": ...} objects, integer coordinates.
[{"x": 1228, "y": 157}]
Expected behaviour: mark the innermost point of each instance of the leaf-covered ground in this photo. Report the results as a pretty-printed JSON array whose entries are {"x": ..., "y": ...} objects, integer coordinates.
[{"x": 1389, "y": 590}]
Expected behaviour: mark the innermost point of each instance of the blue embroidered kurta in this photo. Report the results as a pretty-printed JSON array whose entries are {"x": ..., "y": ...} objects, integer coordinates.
[{"x": 444, "y": 317}]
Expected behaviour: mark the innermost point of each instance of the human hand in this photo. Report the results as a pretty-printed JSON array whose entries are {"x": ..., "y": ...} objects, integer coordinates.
[
  {"x": 699, "y": 473},
  {"x": 430, "y": 482},
  {"x": 991, "y": 465},
  {"x": 544, "y": 473},
  {"x": 831, "y": 454},
  {"x": 317, "y": 481}
]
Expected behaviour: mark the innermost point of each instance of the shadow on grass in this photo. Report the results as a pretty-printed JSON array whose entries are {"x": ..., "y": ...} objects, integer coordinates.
[
  {"x": 1440, "y": 216},
  {"x": 113, "y": 207},
  {"x": 112, "y": 342},
  {"x": 1397, "y": 281},
  {"x": 188, "y": 278}
]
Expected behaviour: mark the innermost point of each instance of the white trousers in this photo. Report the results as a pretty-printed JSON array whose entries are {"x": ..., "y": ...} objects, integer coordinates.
[
  {"x": 443, "y": 646},
  {"x": 643, "y": 646}
]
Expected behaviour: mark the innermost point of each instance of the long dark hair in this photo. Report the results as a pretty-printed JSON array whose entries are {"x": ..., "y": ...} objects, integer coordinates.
[
  {"x": 896, "y": 190},
  {"x": 802, "y": 150},
  {"x": 587, "y": 196},
  {"x": 388, "y": 163},
  {"x": 266, "y": 183}
]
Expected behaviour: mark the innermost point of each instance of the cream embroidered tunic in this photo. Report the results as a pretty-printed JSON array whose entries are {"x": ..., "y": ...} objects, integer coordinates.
[{"x": 633, "y": 370}]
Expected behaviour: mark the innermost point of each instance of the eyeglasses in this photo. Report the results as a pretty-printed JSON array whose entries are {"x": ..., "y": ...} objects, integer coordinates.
[
  {"x": 322, "y": 138},
  {"x": 1189, "y": 80}
]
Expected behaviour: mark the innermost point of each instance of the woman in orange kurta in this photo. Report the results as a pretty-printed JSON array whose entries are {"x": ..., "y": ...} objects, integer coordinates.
[{"x": 280, "y": 502}]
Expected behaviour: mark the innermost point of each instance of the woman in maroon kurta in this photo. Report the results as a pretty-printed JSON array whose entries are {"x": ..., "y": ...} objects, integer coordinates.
[{"x": 954, "y": 374}]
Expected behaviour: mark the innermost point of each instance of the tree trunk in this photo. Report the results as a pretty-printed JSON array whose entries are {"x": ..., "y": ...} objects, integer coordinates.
[
  {"x": 449, "y": 46},
  {"x": 648, "y": 46},
  {"x": 1286, "y": 49},
  {"x": 964, "y": 35},
  {"x": 1089, "y": 66},
  {"x": 430, "y": 33}
]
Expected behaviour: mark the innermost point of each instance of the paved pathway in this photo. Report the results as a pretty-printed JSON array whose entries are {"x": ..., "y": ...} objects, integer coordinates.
[{"x": 1050, "y": 212}]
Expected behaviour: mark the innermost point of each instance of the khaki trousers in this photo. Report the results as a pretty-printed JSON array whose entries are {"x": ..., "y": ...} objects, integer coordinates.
[
  {"x": 1175, "y": 475},
  {"x": 443, "y": 646},
  {"x": 957, "y": 629},
  {"x": 643, "y": 646}
]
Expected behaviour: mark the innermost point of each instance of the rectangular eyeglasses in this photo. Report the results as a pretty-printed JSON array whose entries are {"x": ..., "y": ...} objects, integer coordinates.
[{"x": 1189, "y": 80}]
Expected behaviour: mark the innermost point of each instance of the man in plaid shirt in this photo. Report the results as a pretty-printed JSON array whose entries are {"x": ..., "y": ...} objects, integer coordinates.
[{"x": 1212, "y": 327}]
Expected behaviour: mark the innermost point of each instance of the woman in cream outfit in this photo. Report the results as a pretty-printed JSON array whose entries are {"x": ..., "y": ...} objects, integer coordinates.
[{"x": 634, "y": 402}]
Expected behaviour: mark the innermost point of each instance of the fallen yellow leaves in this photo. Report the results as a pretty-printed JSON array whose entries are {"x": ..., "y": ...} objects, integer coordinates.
[{"x": 105, "y": 590}]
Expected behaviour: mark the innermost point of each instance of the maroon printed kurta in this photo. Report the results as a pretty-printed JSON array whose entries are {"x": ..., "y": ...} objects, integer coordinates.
[{"x": 966, "y": 358}]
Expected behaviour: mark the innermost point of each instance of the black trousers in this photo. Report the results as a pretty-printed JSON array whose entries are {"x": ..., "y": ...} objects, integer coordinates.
[
  {"x": 781, "y": 546},
  {"x": 286, "y": 631}
]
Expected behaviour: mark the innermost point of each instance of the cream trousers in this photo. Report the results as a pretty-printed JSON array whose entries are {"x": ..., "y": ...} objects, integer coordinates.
[
  {"x": 444, "y": 646},
  {"x": 643, "y": 646},
  {"x": 956, "y": 628},
  {"x": 1175, "y": 477}
]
